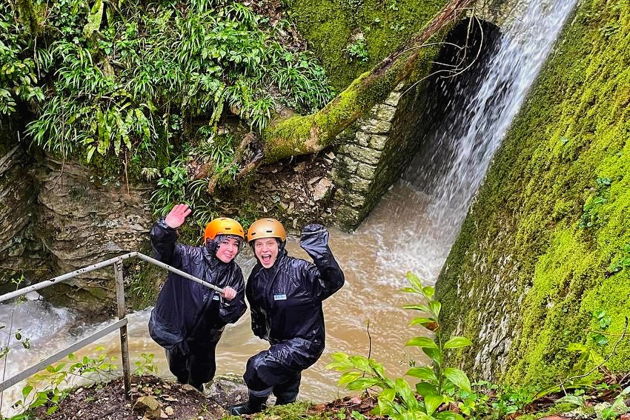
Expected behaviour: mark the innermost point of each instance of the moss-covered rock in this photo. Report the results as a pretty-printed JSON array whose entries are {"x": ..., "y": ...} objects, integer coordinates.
[
  {"x": 352, "y": 36},
  {"x": 546, "y": 242}
]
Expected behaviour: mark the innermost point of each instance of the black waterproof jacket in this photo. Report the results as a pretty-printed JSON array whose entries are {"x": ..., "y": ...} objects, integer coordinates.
[
  {"x": 186, "y": 311},
  {"x": 286, "y": 299}
]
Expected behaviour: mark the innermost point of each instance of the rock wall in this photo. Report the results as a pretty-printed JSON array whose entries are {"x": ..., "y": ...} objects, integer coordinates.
[
  {"x": 374, "y": 154},
  {"x": 83, "y": 220},
  {"x": 547, "y": 241},
  {"x": 56, "y": 217},
  {"x": 20, "y": 252}
]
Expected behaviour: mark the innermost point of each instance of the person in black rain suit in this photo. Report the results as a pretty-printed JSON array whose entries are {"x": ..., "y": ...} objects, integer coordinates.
[
  {"x": 285, "y": 295},
  {"x": 188, "y": 318}
]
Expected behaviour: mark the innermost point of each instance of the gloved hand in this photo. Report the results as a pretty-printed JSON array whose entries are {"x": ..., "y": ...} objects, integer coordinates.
[{"x": 314, "y": 240}]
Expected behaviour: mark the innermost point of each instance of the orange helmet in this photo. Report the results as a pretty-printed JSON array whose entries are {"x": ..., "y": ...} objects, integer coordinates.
[
  {"x": 223, "y": 226},
  {"x": 266, "y": 228}
]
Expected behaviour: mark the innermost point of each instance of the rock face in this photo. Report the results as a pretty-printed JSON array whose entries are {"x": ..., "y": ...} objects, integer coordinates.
[
  {"x": 19, "y": 251},
  {"x": 546, "y": 244},
  {"x": 82, "y": 222}
]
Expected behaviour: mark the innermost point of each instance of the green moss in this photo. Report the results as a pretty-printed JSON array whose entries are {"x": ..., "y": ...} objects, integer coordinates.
[
  {"x": 301, "y": 134},
  {"x": 330, "y": 26},
  {"x": 551, "y": 220}
]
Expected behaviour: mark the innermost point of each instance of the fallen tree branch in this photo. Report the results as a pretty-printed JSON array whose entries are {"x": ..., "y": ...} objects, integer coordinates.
[{"x": 299, "y": 135}]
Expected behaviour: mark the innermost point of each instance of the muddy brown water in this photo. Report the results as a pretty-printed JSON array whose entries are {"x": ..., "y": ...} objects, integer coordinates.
[{"x": 375, "y": 259}]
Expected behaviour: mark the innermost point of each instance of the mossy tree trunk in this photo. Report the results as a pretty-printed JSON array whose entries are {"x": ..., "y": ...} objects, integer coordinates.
[{"x": 299, "y": 135}]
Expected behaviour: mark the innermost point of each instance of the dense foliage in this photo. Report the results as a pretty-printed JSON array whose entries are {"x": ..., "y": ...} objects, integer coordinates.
[{"x": 131, "y": 79}]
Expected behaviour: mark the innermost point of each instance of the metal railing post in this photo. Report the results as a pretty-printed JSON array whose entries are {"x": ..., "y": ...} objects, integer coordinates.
[{"x": 122, "y": 313}]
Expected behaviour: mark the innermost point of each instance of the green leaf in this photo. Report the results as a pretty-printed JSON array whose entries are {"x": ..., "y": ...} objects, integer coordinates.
[
  {"x": 432, "y": 402},
  {"x": 458, "y": 377},
  {"x": 423, "y": 373},
  {"x": 415, "y": 281},
  {"x": 425, "y": 342},
  {"x": 348, "y": 377},
  {"x": 434, "y": 353},
  {"x": 457, "y": 342},
  {"x": 26, "y": 390},
  {"x": 435, "y": 307},
  {"x": 448, "y": 415},
  {"x": 387, "y": 395},
  {"x": 362, "y": 384},
  {"x": 421, "y": 321},
  {"x": 360, "y": 362},
  {"x": 405, "y": 392},
  {"x": 423, "y": 308},
  {"x": 425, "y": 388}
]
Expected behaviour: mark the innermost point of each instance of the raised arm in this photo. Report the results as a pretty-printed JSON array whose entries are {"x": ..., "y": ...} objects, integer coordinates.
[
  {"x": 164, "y": 235},
  {"x": 329, "y": 278}
]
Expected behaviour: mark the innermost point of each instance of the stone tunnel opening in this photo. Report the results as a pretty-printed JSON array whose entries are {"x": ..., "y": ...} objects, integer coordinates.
[{"x": 383, "y": 145}]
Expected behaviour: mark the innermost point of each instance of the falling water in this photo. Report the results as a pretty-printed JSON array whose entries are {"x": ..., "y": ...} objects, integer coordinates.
[{"x": 449, "y": 172}]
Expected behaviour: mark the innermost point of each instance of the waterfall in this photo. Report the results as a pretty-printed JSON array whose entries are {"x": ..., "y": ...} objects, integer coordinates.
[{"x": 459, "y": 150}]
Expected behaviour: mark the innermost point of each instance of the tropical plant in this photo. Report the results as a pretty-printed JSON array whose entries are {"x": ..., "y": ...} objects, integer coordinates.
[
  {"x": 114, "y": 74},
  {"x": 439, "y": 387}
]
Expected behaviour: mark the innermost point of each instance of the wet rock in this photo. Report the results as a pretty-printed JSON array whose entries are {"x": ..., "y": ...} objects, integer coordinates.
[
  {"x": 393, "y": 98},
  {"x": 384, "y": 112},
  {"x": 227, "y": 390},
  {"x": 362, "y": 139},
  {"x": 17, "y": 199},
  {"x": 378, "y": 142},
  {"x": 349, "y": 164},
  {"x": 376, "y": 126},
  {"x": 366, "y": 171},
  {"x": 151, "y": 407},
  {"x": 351, "y": 199},
  {"x": 363, "y": 154},
  {"x": 322, "y": 188},
  {"x": 359, "y": 185}
]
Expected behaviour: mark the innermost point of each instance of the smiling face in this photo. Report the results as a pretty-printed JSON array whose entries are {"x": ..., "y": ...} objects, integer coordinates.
[
  {"x": 227, "y": 249},
  {"x": 266, "y": 250}
]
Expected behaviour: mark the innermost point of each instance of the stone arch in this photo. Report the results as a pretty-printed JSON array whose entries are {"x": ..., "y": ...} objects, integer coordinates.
[{"x": 378, "y": 148}]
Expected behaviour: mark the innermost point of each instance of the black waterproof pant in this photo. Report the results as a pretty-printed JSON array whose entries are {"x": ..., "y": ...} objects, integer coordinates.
[
  {"x": 278, "y": 370},
  {"x": 195, "y": 366}
]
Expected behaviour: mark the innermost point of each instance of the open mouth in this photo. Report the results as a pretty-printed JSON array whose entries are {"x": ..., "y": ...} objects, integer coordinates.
[{"x": 265, "y": 259}]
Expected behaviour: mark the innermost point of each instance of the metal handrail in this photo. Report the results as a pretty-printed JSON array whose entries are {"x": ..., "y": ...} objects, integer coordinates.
[{"x": 121, "y": 324}]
